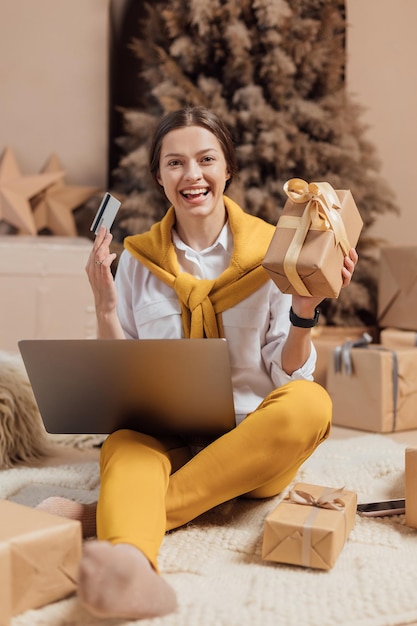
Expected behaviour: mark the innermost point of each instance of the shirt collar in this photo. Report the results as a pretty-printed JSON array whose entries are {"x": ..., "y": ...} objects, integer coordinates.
[{"x": 224, "y": 240}]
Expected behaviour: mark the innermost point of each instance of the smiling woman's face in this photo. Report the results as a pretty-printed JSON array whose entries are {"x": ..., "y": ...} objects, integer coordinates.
[{"x": 193, "y": 171}]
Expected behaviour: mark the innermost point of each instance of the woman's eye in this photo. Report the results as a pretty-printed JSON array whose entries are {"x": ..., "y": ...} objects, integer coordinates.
[
  {"x": 207, "y": 159},
  {"x": 173, "y": 163}
]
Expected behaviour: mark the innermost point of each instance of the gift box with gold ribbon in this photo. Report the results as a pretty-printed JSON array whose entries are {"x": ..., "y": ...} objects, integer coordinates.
[
  {"x": 39, "y": 558},
  {"x": 372, "y": 387},
  {"x": 317, "y": 228},
  {"x": 309, "y": 527}
]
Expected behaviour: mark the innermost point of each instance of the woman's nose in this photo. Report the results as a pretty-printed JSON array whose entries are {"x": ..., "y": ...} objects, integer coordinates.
[{"x": 193, "y": 171}]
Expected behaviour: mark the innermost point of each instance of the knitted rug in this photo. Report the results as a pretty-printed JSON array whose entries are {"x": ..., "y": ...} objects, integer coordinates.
[{"x": 215, "y": 562}]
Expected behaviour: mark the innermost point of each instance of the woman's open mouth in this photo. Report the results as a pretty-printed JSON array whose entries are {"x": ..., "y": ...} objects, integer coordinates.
[{"x": 195, "y": 194}]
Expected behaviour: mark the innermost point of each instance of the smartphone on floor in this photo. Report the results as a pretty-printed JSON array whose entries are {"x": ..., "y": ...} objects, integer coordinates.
[{"x": 382, "y": 508}]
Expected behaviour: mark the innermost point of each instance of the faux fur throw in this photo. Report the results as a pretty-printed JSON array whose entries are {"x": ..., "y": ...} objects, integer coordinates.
[
  {"x": 23, "y": 437},
  {"x": 202, "y": 301}
]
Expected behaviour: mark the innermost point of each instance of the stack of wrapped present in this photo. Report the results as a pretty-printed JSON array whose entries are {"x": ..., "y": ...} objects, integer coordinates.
[{"x": 374, "y": 385}]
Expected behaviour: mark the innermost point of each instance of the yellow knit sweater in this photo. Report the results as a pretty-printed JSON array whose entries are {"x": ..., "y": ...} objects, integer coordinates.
[{"x": 202, "y": 301}]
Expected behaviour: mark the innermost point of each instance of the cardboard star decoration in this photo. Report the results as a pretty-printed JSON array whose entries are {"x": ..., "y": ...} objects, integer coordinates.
[
  {"x": 53, "y": 208},
  {"x": 16, "y": 190}
]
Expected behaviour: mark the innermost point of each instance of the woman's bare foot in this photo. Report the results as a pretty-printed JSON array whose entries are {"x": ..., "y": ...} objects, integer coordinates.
[
  {"x": 118, "y": 581},
  {"x": 84, "y": 513}
]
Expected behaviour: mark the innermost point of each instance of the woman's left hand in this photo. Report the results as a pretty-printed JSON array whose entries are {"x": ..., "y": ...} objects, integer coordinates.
[
  {"x": 304, "y": 306},
  {"x": 349, "y": 267}
]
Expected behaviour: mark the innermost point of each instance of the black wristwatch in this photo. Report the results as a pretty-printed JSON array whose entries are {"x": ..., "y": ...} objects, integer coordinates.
[{"x": 302, "y": 322}]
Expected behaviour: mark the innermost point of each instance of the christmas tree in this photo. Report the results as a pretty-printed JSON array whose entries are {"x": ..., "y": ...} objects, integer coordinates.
[{"x": 274, "y": 71}]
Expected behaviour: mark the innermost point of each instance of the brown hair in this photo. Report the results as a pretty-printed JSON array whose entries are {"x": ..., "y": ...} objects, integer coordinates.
[{"x": 193, "y": 116}]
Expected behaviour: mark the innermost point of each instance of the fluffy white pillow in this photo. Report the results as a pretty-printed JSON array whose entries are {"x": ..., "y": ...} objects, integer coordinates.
[{"x": 23, "y": 437}]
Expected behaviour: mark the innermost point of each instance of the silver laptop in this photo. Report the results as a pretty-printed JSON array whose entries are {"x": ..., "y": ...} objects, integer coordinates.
[{"x": 155, "y": 386}]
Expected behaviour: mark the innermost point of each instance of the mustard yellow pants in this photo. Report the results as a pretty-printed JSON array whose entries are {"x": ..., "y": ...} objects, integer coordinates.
[{"x": 149, "y": 485}]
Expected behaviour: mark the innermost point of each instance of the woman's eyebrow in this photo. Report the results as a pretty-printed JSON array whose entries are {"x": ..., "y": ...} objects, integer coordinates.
[{"x": 178, "y": 154}]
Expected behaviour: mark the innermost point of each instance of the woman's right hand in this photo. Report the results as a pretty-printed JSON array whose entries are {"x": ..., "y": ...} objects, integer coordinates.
[{"x": 100, "y": 275}]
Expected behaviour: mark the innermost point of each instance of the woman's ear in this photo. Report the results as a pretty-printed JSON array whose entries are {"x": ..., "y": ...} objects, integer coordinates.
[{"x": 227, "y": 179}]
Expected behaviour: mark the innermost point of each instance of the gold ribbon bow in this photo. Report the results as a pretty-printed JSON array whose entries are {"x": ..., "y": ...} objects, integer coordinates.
[
  {"x": 330, "y": 499},
  {"x": 321, "y": 213}
]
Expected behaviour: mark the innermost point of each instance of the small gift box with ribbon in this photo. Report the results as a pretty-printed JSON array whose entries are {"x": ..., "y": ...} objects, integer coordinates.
[
  {"x": 309, "y": 527},
  {"x": 411, "y": 487},
  {"x": 39, "y": 558},
  {"x": 316, "y": 230},
  {"x": 372, "y": 387}
]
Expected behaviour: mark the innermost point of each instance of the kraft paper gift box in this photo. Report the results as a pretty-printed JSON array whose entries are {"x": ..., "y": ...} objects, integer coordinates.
[
  {"x": 397, "y": 338},
  {"x": 39, "y": 557},
  {"x": 397, "y": 287},
  {"x": 302, "y": 531},
  {"x": 411, "y": 487},
  {"x": 327, "y": 338},
  {"x": 373, "y": 388},
  {"x": 317, "y": 228},
  {"x": 44, "y": 289}
]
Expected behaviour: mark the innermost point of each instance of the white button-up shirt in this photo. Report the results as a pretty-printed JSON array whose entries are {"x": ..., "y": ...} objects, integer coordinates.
[{"x": 256, "y": 328}]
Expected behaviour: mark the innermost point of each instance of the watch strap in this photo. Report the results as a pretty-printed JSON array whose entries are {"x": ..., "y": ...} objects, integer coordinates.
[{"x": 302, "y": 322}]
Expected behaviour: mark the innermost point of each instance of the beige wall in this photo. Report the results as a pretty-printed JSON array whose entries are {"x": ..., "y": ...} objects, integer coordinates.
[
  {"x": 53, "y": 85},
  {"x": 53, "y": 89},
  {"x": 382, "y": 76}
]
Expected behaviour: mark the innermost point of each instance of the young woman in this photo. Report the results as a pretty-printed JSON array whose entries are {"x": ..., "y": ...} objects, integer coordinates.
[{"x": 197, "y": 273}]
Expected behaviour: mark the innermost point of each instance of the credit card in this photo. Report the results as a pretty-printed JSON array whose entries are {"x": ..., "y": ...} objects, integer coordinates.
[{"x": 106, "y": 213}]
